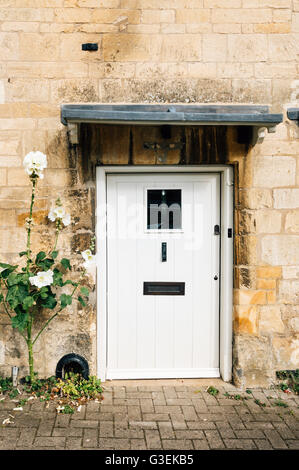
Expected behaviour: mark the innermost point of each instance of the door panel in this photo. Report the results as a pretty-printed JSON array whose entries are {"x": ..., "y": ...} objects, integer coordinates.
[{"x": 152, "y": 336}]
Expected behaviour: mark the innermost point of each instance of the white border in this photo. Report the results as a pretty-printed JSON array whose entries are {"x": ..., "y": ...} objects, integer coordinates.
[{"x": 226, "y": 260}]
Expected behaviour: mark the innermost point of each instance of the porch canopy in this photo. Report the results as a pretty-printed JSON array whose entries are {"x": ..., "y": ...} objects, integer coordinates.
[{"x": 256, "y": 117}]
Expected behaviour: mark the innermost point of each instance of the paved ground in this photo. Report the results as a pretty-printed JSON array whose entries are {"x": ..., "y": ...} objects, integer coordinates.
[{"x": 157, "y": 415}]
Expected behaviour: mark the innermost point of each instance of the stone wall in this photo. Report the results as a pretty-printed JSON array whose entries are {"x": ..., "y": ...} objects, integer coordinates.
[{"x": 150, "y": 51}]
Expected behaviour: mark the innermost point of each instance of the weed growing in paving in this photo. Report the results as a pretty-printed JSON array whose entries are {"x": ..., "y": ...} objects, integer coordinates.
[{"x": 213, "y": 391}]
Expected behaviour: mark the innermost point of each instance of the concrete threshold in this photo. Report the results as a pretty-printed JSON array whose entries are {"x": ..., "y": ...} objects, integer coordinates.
[{"x": 168, "y": 382}]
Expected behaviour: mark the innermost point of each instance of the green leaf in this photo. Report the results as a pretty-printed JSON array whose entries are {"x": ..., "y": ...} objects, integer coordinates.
[
  {"x": 75, "y": 284},
  {"x": 66, "y": 263},
  {"x": 40, "y": 256},
  {"x": 57, "y": 278},
  {"x": 27, "y": 302},
  {"x": 82, "y": 302},
  {"x": 45, "y": 264},
  {"x": 84, "y": 291},
  {"x": 6, "y": 272},
  {"x": 12, "y": 279},
  {"x": 12, "y": 296},
  {"x": 22, "y": 253},
  {"x": 4, "y": 265},
  {"x": 1, "y": 297},
  {"x": 54, "y": 254},
  {"x": 20, "y": 321},
  {"x": 49, "y": 302},
  {"x": 65, "y": 300},
  {"x": 44, "y": 292}
]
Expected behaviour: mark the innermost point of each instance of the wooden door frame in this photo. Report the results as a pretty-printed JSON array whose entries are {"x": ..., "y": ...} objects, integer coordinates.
[{"x": 226, "y": 255}]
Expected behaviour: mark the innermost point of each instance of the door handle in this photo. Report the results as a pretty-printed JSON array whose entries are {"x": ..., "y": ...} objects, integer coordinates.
[{"x": 164, "y": 251}]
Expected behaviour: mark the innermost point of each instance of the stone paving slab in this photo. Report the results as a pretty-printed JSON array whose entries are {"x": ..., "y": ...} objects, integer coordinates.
[{"x": 158, "y": 415}]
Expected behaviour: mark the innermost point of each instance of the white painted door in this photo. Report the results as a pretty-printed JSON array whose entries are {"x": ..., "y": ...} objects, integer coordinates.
[{"x": 163, "y": 275}]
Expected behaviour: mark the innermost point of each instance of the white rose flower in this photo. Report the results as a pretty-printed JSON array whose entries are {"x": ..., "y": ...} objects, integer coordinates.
[
  {"x": 35, "y": 162},
  {"x": 89, "y": 258},
  {"x": 42, "y": 279},
  {"x": 58, "y": 212}
]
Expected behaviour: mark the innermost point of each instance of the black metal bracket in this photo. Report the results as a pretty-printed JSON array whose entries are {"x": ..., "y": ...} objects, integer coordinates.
[
  {"x": 90, "y": 46},
  {"x": 293, "y": 114}
]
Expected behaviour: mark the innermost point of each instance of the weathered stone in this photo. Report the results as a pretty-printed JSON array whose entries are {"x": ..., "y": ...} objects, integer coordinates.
[
  {"x": 270, "y": 320},
  {"x": 280, "y": 249}
]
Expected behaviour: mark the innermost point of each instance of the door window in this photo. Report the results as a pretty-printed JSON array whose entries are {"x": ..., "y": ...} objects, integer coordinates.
[{"x": 164, "y": 209}]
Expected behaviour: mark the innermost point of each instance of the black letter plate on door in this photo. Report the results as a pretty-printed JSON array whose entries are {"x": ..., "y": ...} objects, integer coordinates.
[{"x": 163, "y": 288}]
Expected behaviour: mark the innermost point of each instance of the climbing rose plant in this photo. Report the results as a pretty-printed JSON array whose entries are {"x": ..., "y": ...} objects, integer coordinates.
[{"x": 36, "y": 285}]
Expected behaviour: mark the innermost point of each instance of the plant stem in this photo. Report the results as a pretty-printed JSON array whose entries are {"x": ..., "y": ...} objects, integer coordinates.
[
  {"x": 34, "y": 180},
  {"x": 30, "y": 351}
]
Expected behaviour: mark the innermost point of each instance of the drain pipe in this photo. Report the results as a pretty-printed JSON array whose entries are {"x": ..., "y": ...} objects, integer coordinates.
[{"x": 14, "y": 375}]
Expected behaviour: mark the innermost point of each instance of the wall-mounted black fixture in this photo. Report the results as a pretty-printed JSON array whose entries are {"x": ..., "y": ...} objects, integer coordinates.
[
  {"x": 72, "y": 363},
  {"x": 90, "y": 46},
  {"x": 293, "y": 114}
]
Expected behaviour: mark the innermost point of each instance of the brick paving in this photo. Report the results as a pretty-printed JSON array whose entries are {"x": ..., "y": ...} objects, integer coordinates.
[{"x": 142, "y": 415}]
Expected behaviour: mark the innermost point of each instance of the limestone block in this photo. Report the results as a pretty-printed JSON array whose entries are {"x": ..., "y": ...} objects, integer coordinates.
[
  {"x": 268, "y": 4},
  {"x": 177, "y": 48},
  {"x": 252, "y": 352},
  {"x": 290, "y": 272},
  {"x": 251, "y": 90},
  {"x": 282, "y": 15},
  {"x": 8, "y": 217},
  {"x": 245, "y": 319},
  {"x": 283, "y": 47},
  {"x": 270, "y": 320},
  {"x": 246, "y": 250},
  {"x": 266, "y": 284},
  {"x": 289, "y": 291},
  {"x": 115, "y": 16},
  {"x": 269, "y": 172},
  {"x": 269, "y": 272},
  {"x": 152, "y": 70},
  {"x": 268, "y": 221},
  {"x": 272, "y": 28},
  {"x": 286, "y": 352},
  {"x": 295, "y": 22},
  {"x": 222, "y": 3},
  {"x": 72, "y": 15},
  {"x": 255, "y": 198},
  {"x": 10, "y": 142},
  {"x": 236, "y": 15},
  {"x": 244, "y": 277},
  {"x": 250, "y": 297},
  {"x": 12, "y": 239},
  {"x": 247, "y": 47},
  {"x": 74, "y": 90},
  {"x": 173, "y": 28},
  {"x": 278, "y": 250},
  {"x": 275, "y": 70},
  {"x": 197, "y": 28},
  {"x": 233, "y": 70},
  {"x": 9, "y": 46},
  {"x": 227, "y": 28},
  {"x": 17, "y": 124},
  {"x": 214, "y": 48},
  {"x": 21, "y": 89},
  {"x": 292, "y": 222},
  {"x": 132, "y": 47},
  {"x": 286, "y": 198},
  {"x": 189, "y": 16},
  {"x": 71, "y": 47},
  {"x": 202, "y": 70},
  {"x": 2, "y": 177},
  {"x": 157, "y": 16},
  {"x": 9, "y": 161},
  {"x": 34, "y": 47}
]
